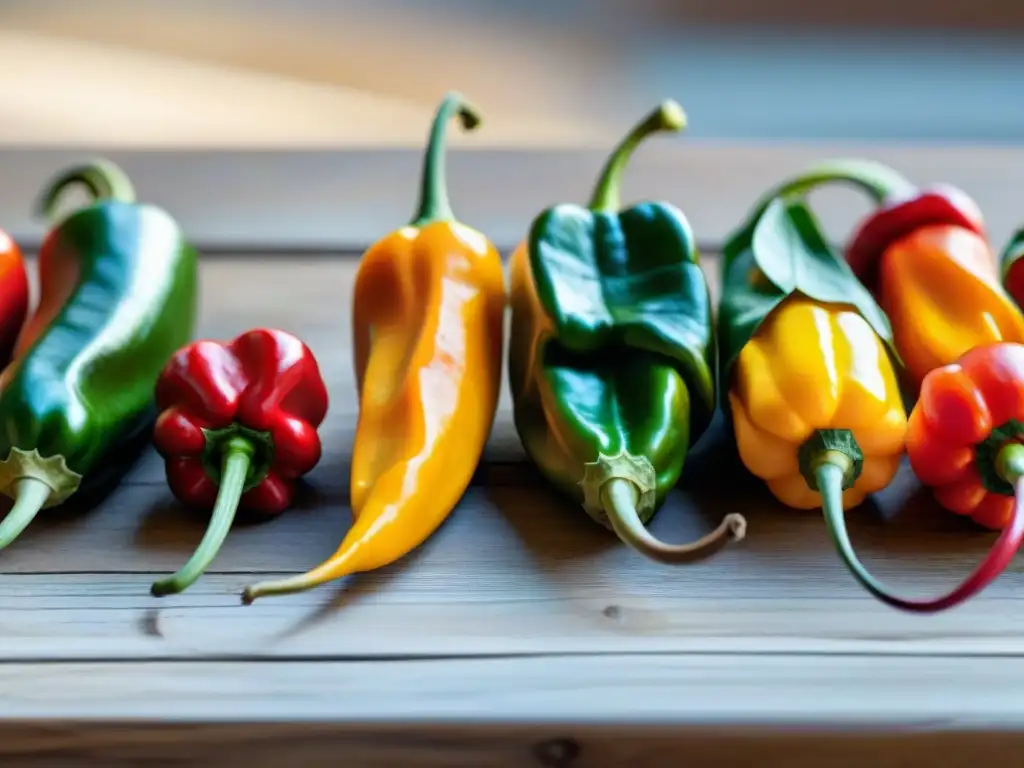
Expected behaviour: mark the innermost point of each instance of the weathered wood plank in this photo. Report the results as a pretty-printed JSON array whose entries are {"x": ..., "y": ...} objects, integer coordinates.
[
  {"x": 879, "y": 692},
  {"x": 29, "y": 744}
]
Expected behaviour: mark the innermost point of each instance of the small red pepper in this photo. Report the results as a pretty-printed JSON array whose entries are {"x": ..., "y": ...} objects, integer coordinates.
[
  {"x": 965, "y": 438},
  {"x": 14, "y": 294},
  {"x": 237, "y": 426}
]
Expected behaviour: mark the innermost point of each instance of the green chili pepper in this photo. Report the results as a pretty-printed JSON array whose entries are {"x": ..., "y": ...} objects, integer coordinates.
[
  {"x": 118, "y": 296},
  {"x": 612, "y": 355}
]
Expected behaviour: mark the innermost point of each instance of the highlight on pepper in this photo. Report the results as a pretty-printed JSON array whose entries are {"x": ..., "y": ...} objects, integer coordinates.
[
  {"x": 238, "y": 428},
  {"x": 118, "y": 293},
  {"x": 811, "y": 377},
  {"x": 428, "y": 314},
  {"x": 611, "y": 359}
]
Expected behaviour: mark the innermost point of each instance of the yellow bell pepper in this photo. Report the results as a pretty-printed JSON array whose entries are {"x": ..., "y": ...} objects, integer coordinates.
[{"x": 812, "y": 367}]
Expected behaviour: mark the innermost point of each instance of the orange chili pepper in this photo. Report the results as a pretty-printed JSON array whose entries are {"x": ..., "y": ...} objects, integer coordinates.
[{"x": 428, "y": 321}]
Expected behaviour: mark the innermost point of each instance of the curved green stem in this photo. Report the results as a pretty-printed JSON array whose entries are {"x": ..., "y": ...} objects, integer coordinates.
[
  {"x": 877, "y": 180},
  {"x": 668, "y": 116},
  {"x": 104, "y": 180},
  {"x": 434, "y": 204},
  {"x": 831, "y": 474},
  {"x": 30, "y": 496},
  {"x": 619, "y": 498},
  {"x": 238, "y": 453}
]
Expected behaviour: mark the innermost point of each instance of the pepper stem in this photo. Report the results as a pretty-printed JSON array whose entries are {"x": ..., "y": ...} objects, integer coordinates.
[
  {"x": 237, "y": 462},
  {"x": 30, "y": 495},
  {"x": 341, "y": 563},
  {"x": 434, "y": 204},
  {"x": 619, "y": 498},
  {"x": 103, "y": 179},
  {"x": 831, "y": 473},
  {"x": 877, "y": 180},
  {"x": 668, "y": 116}
]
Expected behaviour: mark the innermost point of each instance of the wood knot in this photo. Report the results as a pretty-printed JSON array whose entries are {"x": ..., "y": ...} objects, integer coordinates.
[{"x": 557, "y": 753}]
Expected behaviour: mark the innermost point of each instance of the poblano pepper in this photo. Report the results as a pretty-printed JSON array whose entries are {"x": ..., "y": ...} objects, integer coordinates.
[
  {"x": 118, "y": 296},
  {"x": 612, "y": 355}
]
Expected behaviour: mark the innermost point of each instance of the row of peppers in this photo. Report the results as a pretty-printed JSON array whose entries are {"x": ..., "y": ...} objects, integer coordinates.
[{"x": 829, "y": 367}]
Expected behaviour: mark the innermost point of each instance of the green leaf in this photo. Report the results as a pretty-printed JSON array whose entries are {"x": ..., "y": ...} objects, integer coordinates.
[
  {"x": 780, "y": 253},
  {"x": 626, "y": 279}
]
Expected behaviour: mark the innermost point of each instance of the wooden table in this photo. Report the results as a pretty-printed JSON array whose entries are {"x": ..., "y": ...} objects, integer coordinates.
[{"x": 520, "y": 634}]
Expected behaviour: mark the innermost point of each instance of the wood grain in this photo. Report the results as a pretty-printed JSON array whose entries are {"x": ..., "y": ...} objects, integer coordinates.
[{"x": 518, "y": 611}]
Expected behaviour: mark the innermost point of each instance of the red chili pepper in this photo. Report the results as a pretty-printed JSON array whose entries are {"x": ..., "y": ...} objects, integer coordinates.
[
  {"x": 966, "y": 439},
  {"x": 238, "y": 428},
  {"x": 13, "y": 295}
]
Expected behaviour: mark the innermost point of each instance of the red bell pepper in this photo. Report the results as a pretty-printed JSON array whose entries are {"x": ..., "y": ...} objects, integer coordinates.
[
  {"x": 237, "y": 426},
  {"x": 965, "y": 438}
]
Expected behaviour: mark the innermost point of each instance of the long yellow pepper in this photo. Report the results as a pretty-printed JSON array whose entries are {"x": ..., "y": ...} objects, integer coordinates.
[{"x": 428, "y": 320}]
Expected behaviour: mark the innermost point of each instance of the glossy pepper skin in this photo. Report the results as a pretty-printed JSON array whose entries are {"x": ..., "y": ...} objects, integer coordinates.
[
  {"x": 812, "y": 381},
  {"x": 924, "y": 255},
  {"x": 118, "y": 297},
  {"x": 611, "y": 362},
  {"x": 238, "y": 428},
  {"x": 966, "y": 440},
  {"x": 428, "y": 319},
  {"x": 816, "y": 368},
  {"x": 13, "y": 295}
]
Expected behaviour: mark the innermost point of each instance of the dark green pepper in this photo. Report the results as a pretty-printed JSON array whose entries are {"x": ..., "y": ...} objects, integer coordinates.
[
  {"x": 612, "y": 354},
  {"x": 118, "y": 287}
]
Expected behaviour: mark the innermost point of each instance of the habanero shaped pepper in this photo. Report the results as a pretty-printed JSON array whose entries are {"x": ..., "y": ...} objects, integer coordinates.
[
  {"x": 428, "y": 323},
  {"x": 238, "y": 428},
  {"x": 14, "y": 294},
  {"x": 118, "y": 285},
  {"x": 611, "y": 360},
  {"x": 924, "y": 256},
  {"x": 811, "y": 378},
  {"x": 966, "y": 440}
]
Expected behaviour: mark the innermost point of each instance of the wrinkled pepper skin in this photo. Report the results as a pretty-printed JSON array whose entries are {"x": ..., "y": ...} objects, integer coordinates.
[
  {"x": 428, "y": 323},
  {"x": 238, "y": 429},
  {"x": 118, "y": 297},
  {"x": 937, "y": 279},
  {"x": 968, "y": 411},
  {"x": 813, "y": 367},
  {"x": 966, "y": 440},
  {"x": 611, "y": 363},
  {"x": 14, "y": 295}
]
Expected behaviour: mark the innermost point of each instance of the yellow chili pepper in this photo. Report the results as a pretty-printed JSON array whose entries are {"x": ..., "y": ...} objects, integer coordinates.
[{"x": 428, "y": 320}]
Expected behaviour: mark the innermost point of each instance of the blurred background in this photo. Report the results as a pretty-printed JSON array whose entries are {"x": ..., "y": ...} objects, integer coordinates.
[{"x": 331, "y": 73}]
